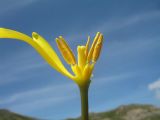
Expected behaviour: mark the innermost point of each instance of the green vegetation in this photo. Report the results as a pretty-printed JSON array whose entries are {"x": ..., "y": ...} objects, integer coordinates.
[
  {"x": 7, "y": 115},
  {"x": 129, "y": 112}
]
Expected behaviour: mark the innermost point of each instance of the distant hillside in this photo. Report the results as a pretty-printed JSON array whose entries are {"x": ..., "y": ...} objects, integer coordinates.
[
  {"x": 128, "y": 112},
  {"x": 7, "y": 115}
]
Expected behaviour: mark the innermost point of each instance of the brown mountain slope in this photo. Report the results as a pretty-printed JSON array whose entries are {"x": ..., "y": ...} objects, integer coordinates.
[
  {"x": 7, "y": 115},
  {"x": 128, "y": 112}
]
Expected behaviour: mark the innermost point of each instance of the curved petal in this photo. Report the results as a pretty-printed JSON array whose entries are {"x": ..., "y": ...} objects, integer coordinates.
[{"x": 42, "y": 47}]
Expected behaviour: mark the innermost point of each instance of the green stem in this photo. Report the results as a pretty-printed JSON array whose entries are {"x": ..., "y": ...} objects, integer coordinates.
[{"x": 84, "y": 102}]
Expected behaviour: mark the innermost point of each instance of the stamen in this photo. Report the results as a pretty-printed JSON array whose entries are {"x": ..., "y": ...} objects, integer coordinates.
[
  {"x": 89, "y": 57},
  {"x": 81, "y": 56},
  {"x": 65, "y": 51},
  {"x": 97, "y": 49},
  {"x": 87, "y": 46}
]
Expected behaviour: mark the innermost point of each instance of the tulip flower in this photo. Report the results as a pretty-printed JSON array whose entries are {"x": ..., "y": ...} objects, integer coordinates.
[{"x": 82, "y": 67}]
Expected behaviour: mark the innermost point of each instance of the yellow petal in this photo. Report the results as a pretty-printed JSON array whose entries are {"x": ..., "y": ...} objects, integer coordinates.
[
  {"x": 42, "y": 47},
  {"x": 87, "y": 72},
  {"x": 76, "y": 69}
]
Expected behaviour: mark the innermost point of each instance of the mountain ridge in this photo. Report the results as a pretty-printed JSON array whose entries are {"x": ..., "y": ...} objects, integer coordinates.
[
  {"x": 123, "y": 112},
  {"x": 8, "y": 115},
  {"x": 127, "y": 112}
]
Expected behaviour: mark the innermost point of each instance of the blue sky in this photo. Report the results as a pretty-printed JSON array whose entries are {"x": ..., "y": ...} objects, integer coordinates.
[{"x": 128, "y": 70}]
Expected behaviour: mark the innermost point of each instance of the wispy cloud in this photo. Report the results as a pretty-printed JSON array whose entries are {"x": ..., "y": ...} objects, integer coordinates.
[
  {"x": 155, "y": 86},
  {"x": 19, "y": 62},
  {"x": 39, "y": 98},
  {"x": 6, "y": 5},
  {"x": 113, "y": 78},
  {"x": 123, "y": 22},
  {"x": 112, "y": 25}
]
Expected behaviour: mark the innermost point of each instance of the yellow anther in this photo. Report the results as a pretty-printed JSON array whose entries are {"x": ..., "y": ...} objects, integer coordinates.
[
  {"x": 81, "y": 56},
  {"x": 89, "y": 57},
  {"x": 97, "y": 49},
  {"x": 65, "y": 51},
  {"x": 87, "y": 46}
]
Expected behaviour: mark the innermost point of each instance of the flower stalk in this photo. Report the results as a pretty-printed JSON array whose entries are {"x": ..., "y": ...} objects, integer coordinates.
[{"x": 84, "y": 101}]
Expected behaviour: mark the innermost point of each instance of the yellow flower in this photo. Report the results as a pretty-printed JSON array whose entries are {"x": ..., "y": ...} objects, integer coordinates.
[{"x": 82, "y": 67}]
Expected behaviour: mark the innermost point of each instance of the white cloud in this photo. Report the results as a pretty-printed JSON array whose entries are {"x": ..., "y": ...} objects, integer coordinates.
[{"x": 155, "y": 86}]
